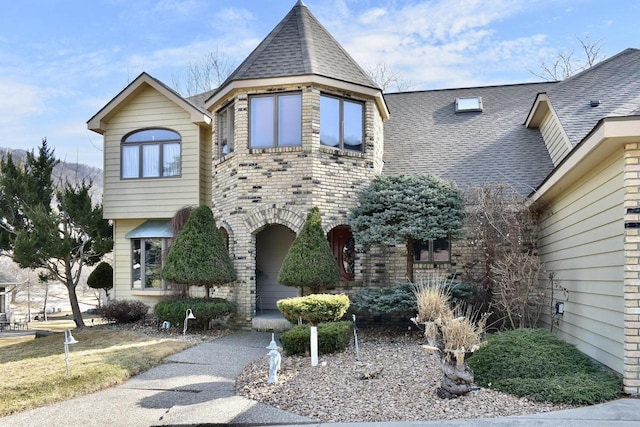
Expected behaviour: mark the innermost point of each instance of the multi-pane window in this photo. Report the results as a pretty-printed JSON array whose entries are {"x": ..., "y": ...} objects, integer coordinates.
[
  {"x": 147, "y": 261},
  {"x": 275, "y": 120},
  {"x": 341, "y": 123},
  {"x": 225, "y": 130},
  {"x": 432, "y": 250},
  {"x": 151, "y": 153}
]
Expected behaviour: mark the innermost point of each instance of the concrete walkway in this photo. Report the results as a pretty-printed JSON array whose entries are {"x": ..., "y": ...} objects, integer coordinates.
[{"x": 197, "y": 387}]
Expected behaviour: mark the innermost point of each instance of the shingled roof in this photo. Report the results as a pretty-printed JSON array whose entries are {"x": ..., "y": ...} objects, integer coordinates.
[
  {"x": 300, "y": 45},
  {"x": 426, "y": 135},
  {"x": 614, "y": 82}
]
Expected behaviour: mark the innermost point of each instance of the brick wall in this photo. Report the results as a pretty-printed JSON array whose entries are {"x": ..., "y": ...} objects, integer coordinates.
[{"x": 632, "y": 271}]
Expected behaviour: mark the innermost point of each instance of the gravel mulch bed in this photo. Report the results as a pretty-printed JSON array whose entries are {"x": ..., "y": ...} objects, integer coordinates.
[{"x": 404, "y": 389}]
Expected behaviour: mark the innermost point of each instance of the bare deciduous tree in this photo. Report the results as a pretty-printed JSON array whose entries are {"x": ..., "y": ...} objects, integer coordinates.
[
  {"x": 565, "y": 63},
  {"x": 386, "y": 78},
  {"x": 204, "y": 75}
]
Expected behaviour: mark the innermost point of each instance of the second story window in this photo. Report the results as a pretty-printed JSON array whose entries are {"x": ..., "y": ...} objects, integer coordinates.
[
  {"x": 225, "y": 130},
  {"x": 341, "y": 123},
  {"x": 151, "y": 153},
  {"x": 275, "y": 120}
]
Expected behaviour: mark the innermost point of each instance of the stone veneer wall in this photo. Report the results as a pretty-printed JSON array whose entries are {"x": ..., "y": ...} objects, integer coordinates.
[
  {"x": 253, "y": 188},
  {"x": 631, "y": 375}
]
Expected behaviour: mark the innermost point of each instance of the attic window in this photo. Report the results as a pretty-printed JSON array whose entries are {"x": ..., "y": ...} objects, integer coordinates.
[{"x": 464, "y": 105}]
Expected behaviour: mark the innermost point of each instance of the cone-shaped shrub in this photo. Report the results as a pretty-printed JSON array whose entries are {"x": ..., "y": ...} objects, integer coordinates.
[
  {"x": 310, "y": 261},
  {"x": 199, "y": 257}
]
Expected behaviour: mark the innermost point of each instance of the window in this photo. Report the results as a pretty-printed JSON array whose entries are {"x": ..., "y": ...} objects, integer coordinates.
[
  {"x": 225, "y": 130},
  {"x": 341, "y": 123},
  {"x": 275, "y": 120},
  {"x": 343, "y": 247},
  {"x": 464, "y": 105},
  {"x": 151, "y": 153},
  {"x": 432, "y": 250},
  {"x": 147, "y": 261}
]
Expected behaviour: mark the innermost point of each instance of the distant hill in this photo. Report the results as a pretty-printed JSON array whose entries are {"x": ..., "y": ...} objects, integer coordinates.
[{"x": 64, "y": 171}]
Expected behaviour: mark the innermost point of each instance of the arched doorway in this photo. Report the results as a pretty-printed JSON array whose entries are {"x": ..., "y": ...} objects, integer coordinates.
[
  {"x": 272, "y": 245},
  {"x": 344, "y": 251}
]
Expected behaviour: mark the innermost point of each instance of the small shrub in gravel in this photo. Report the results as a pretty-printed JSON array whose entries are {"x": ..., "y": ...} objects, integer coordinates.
[
  {"x": 536, "y": 364},
  {"x": 124, "y": 311},
  {"x": 332, "y": 337},
  {"x": 314, "y": 308},
  {"x": 204, "y": 309}
]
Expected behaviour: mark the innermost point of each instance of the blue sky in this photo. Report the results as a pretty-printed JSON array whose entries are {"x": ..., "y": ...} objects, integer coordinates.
[{"x": 61, "y": 61}]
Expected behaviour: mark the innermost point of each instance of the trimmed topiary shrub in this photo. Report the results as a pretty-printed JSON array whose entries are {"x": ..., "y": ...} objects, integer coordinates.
[
  {"x": 199, "y": 256},
  {"x": 204, "y": 309},
  {"x": 314, "y": 308},
  {"x": 124, "y": 311},
  {"x": 538, "y": 365},
  {"x": 332, "y": 337},
  {"x": 310, "y": 262},
  {"x": 101, "y": 278}
]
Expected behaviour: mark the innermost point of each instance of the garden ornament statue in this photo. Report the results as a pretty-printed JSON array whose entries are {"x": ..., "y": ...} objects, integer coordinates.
[{"x": 274, "y": 361}]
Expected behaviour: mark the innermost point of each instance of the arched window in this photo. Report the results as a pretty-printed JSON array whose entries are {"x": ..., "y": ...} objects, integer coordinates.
[
  {"x": 151, "y": 153},
  {"x": 344, "y": 251}
]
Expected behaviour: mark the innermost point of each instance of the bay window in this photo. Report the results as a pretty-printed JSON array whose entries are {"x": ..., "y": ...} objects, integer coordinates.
[{"x": 225, "y": 130}]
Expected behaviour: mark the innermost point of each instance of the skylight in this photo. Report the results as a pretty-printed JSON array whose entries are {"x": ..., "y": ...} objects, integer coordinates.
[{"x": 464, "y": 105}]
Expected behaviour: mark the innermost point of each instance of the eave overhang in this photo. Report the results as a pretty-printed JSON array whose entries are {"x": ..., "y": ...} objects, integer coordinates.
[
  {"x": 98, "y": 122},
  {"x": 609, "y": 134},
  {"x": 220, "y": 97}
]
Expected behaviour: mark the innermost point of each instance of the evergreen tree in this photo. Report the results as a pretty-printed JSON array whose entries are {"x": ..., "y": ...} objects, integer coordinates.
[
  {"x": 198, "y": 256},
  {"x": 310, "y": 261},
  {"x": 101, "y": 278},
  {"x": 60, "y": 237},
  {"x": 403, "y": 208}
]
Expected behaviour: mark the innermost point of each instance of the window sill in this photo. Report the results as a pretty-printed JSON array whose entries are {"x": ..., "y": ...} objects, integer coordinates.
[
  {"x": 224, "y": 158},
  {"x": 339, "y": 152},
  {"x": 275, "y": 150},
  {"x": 150, "y": 292}
]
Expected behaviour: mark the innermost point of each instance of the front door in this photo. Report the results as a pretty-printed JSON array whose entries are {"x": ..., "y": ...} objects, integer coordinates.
[{"x": 272, "y": 245}]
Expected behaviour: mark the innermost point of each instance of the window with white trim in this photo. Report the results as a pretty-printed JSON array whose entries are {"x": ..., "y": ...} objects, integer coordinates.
[
  {"x": 151, "y": 153},
  {"x": 275, "y": 120},
  {"x": 341, "y": 123}
]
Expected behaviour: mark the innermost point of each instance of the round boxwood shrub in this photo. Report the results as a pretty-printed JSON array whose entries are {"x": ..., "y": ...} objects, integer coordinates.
[
  {"x": 538, "y": 365},
  {"x": 204, "y": 309},
  {"x": 314, "y": 308}
]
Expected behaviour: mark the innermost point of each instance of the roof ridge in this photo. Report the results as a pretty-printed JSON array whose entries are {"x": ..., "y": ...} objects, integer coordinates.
[
  {"x": 472, "y": 87},
  {"x": 599, "y": 64}
]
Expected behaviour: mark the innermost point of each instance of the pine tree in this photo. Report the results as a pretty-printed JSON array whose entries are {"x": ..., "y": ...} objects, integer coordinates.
[
  {"x": 310, "y": 261},
  {"x": 61, "y": 237},
  {"x": 405, "y": 208},
  {"x": 198, "y": 256}
]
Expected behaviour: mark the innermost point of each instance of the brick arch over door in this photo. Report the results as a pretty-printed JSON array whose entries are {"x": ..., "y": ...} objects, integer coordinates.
[{"x": 259, "y": 219}]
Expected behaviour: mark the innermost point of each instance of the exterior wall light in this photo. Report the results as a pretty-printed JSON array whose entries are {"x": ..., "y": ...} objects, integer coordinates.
[{"x": 559, "y": 308}]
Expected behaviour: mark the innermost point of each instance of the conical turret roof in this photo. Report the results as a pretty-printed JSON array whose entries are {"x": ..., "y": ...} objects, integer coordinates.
[{"x": 300, "y": 45}]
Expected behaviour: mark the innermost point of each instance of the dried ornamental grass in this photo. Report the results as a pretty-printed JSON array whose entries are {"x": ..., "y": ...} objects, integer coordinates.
[{"x": 432, "y": 300}]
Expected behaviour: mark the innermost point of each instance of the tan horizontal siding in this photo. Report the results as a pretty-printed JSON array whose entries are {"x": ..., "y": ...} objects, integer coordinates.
[
  {"x": 154, "y": 197},
  {"x": 581, "y": 241},
  {"x": 557, "y": 144}
]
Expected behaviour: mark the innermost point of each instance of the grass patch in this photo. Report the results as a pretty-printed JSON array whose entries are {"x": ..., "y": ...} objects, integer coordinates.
[
  {"x": 33, "y": 373},
  {"x": 538, "y": 365}
]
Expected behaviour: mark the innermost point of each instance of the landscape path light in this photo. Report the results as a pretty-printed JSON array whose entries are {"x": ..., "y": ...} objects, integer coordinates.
[
  {"x": 68, "y": 339},
  {"x": 188, "y": 316}
]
